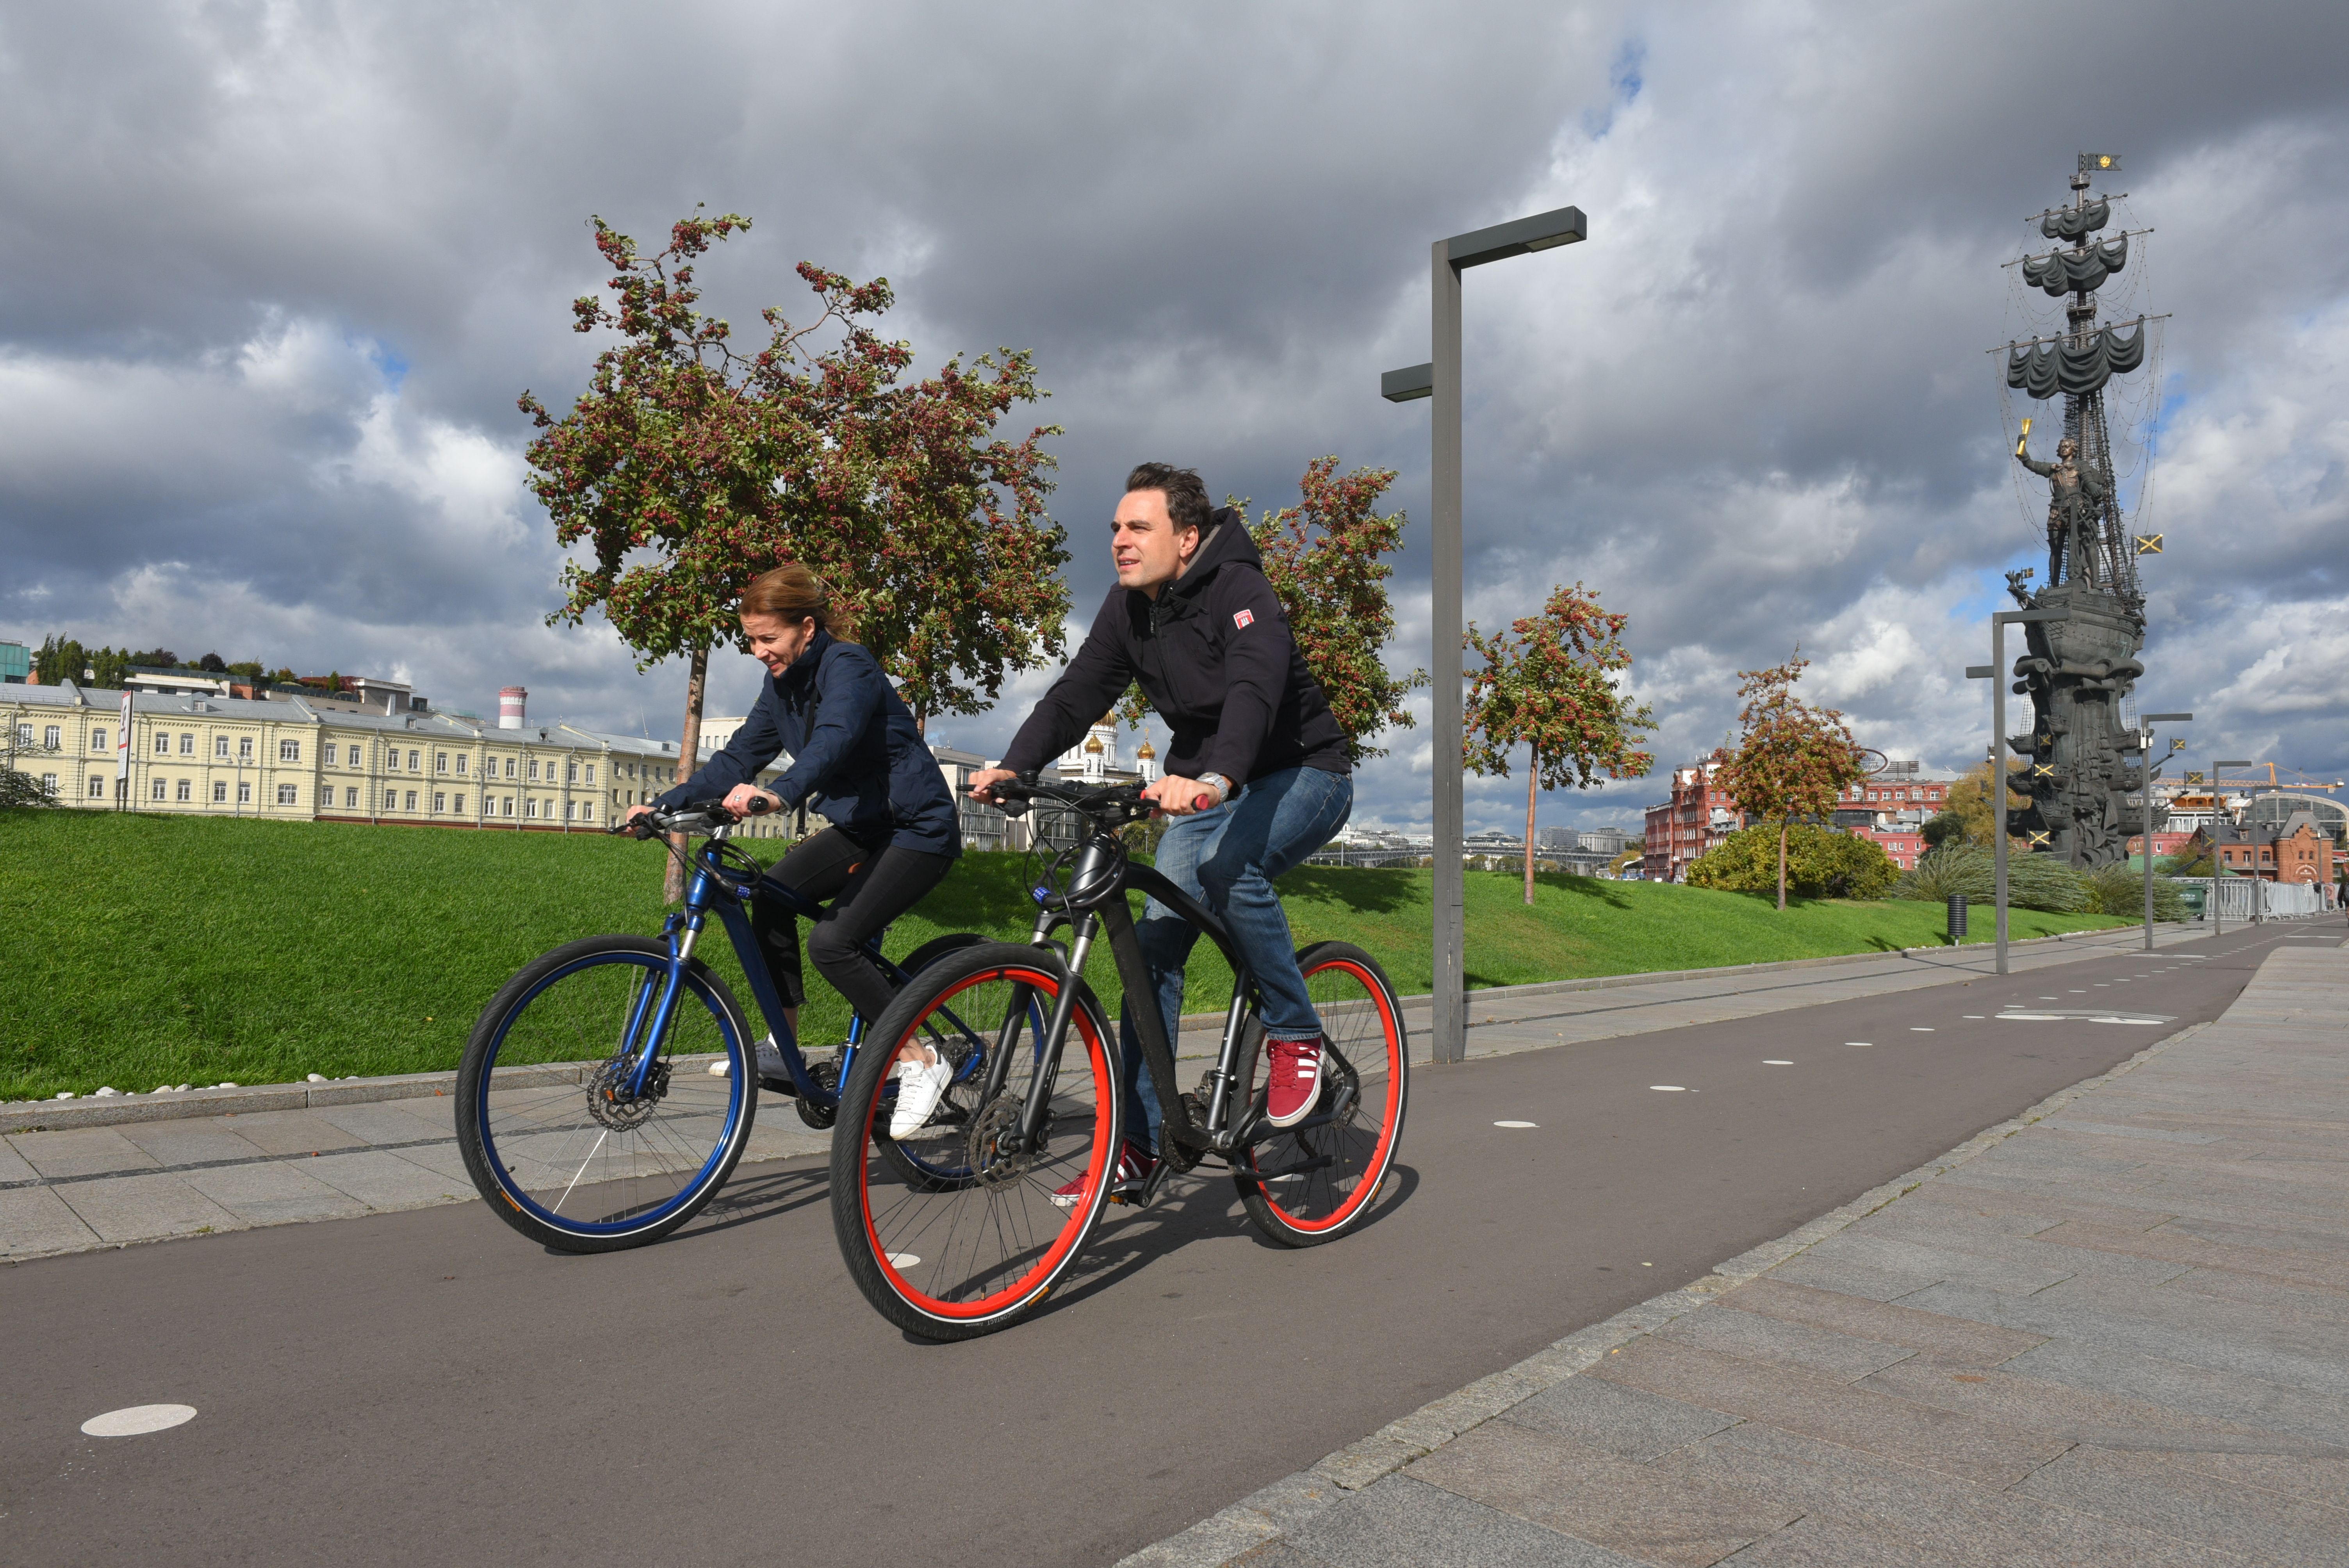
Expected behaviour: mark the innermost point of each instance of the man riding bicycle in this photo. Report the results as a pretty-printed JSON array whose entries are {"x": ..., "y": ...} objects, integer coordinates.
[
  {"x": 1257, "y": 775},
  {"x": 857, "y": 759}
]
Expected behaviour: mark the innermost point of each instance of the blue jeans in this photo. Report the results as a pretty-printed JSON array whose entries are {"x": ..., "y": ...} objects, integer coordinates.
[{"x": 1227, "y": 859}]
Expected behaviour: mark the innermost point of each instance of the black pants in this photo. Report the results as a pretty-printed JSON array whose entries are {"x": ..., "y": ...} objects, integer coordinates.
[{"x": 868, "y": 889}]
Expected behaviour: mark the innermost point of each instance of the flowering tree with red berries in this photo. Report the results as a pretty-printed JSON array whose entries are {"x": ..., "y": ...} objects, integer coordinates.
[
  {"x": 1552, "y": 683},
  {"x": 688, "y": 467},
  {"x": 1793, "y": 759}
]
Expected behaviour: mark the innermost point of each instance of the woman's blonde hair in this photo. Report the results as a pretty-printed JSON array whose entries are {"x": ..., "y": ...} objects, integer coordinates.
[{"x": 795, "y": 594}]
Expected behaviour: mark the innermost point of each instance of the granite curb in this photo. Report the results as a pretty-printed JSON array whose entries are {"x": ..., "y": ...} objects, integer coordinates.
[
  {"x": 1279, "y": 1509},
  {"x": 87, "y": 1110}
]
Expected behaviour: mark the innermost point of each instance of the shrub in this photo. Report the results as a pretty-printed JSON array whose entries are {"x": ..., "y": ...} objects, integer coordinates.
[
  {"x": 2042, "y": 882},
  {"x": 2117, "y": 890},
  {"x": 1953, "y": 868},
  {"x": 24, "y": 790},
  {"x": 1819, "y": 863}
]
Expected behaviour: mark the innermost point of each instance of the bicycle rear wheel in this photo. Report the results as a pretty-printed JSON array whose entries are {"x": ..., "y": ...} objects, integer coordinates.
[
  {"x": 550, "y": 1128},
  {"x": 954, "y": 1232},
  {"x": 1313, "y": 1183}
]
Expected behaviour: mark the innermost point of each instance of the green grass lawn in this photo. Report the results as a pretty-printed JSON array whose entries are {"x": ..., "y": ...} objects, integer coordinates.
[{"x": 147, "y": 950}]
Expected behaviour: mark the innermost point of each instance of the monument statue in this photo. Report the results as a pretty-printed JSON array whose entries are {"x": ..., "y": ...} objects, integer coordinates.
[{"x": 2080, "y": 763}]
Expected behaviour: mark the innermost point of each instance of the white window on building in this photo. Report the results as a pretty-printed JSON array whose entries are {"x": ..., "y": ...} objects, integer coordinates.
[
  {"x": 571, "y": 773},
  {"x": 509, "y": 766},
  {"x": 440, "y": 802},
  {"x": 96, "y": 787},
  {"x": 49, "y": 782},
  {"x": 187, "y": 790},
  {"x": 440, "y": 762},
  {"x": 187, "y": 745},
  {"x": 155, "y": 790},
  {"x": 244, "y": 792},
  {"x": 97, "y": 738},
  {"x": 331, "y": 753},
  {"x": 286, "y": 794},
  {"x": 289, "y": 751},
  {"x": 530, "y": 808},
  {"x": 220, "y": 791},
  {"x": 219, "y": 746},
  {"x": 49, "y": 737},
  {"x": 509, "y": 811},
  {"x": 163, "y": 743},
  {"x": 533, "y": 768},
  {"x": 24, "y": 735},
  {"x": 460, "y": 767},
  {"x": 567, "y": 811},
  {"x": 411, "y": 799},
  {"x": 591, "y": 773},
  {"x": 244, "y": 749},
  {"x": 415, "y": 764},
  {"x": 587, "y": 811},
  {"x": 351, "y": 799},
  {"x": 461, "y": 805}
]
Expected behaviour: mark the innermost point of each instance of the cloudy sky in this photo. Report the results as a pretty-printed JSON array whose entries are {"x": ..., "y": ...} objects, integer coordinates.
[{"x": 271, "y": 276}]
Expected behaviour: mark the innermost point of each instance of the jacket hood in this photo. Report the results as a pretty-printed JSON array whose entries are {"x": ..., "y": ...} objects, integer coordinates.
[{"x": 1228, "y": 540}]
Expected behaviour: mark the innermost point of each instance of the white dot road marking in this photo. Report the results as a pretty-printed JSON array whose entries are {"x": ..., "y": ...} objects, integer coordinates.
[
  {"x": 1516, "y": 1124},
  {"x": 1976, "y": 1016},
  {"x": 1862, "y": 1043},
  {"x": 1920, "y": 1029},
  {"x": 903, "y": 1260},
  {"x": 137, "y": 1419},
  {"x": 1669, "y": 1088},
  {"x": 1775, "y": 1062}
]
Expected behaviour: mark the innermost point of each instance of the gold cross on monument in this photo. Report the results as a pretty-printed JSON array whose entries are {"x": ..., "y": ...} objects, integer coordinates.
[
  {"x": 2041, "y": 770},
  {"x": 2038, "y": 840},
  {"x": 2148, "y": 544}
]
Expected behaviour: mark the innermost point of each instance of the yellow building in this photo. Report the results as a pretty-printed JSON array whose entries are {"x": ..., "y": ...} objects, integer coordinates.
[{"x": 284, "y": 758}]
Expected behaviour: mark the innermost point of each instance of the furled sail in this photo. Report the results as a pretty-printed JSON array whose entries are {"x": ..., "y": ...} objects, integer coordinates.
[
  {"x": 2061, "y": 272},
  {"x": 2066, "y": 368},
  {"x": 2070, "y": 222}
]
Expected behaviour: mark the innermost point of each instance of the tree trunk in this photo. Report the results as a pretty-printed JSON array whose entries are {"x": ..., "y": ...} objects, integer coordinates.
[
  {"x": 688, "y": 750},
  {"x": 1781, "y": 867},
  {"x": 1533, "y": 777}
]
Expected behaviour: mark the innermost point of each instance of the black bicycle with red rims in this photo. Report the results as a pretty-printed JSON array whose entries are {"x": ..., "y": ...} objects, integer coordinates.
[{"x": 958, "y": 1228}]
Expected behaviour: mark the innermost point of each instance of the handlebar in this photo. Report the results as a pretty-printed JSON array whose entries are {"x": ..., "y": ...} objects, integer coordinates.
[
  {"x": 1111, "y": 802},
  {"x": 690, "y": 817}
]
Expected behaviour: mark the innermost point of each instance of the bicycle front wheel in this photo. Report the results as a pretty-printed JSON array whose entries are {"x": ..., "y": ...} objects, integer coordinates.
[
  {"x": 1314, "y": 1181},
  {"x": 575, "y": 1138},
  {"x": 960, "y": 1227}
]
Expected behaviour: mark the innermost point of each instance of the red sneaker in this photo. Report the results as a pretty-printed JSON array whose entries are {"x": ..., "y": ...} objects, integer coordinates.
[
  {"x": 1293, "y": 1080},
  {"x": 1135, "y": 1165}
]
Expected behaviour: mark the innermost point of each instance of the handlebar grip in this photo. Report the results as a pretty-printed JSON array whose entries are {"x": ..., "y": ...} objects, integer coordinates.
[{"x": 1201, "y": 802}]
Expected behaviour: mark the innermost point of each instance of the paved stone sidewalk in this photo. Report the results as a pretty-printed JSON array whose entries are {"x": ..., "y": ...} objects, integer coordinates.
[
  {"x": 278, "y": 1154},
  {"x": 2113, "y": 1331}
]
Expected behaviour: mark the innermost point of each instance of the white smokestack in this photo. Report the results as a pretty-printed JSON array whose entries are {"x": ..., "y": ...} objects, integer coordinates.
[{"x": 510, "y": 705}]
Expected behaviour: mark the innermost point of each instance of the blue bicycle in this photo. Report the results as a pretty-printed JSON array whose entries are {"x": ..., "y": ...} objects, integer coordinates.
[{"x": 608, "y": 1090}]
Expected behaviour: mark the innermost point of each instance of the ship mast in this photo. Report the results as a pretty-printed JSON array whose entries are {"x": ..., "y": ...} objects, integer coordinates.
[{"x": 2084, "y": 414}]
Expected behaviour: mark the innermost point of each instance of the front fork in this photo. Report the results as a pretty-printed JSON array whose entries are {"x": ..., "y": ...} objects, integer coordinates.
[{"x": 1036, "y": 1114}]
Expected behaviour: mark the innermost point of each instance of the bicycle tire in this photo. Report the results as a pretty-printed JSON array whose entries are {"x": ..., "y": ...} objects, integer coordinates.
[
  {"x": 528, "y": 1110},
  {"x": 1313, "y": 1184},
  {"x": 997, "y": 1237}
]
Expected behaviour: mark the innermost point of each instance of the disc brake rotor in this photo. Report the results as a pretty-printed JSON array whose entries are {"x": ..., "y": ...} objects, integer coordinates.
[{"x": 610, "y": 1102}]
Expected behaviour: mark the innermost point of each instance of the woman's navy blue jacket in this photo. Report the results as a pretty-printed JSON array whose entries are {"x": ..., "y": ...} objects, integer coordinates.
[{"x": 861, "y": 764}]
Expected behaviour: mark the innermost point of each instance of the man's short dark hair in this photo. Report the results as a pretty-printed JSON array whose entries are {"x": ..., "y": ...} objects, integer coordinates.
[{"x": 1185, "y": 492}]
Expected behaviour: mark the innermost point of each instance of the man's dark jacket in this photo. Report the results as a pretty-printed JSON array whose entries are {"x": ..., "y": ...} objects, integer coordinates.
[
  {"x": 861, "y": 764},
  {"x": 1214, "y": 655}
]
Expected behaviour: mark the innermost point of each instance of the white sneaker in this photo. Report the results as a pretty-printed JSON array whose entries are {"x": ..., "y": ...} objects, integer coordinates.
[{"x": 920, "y": 1086}]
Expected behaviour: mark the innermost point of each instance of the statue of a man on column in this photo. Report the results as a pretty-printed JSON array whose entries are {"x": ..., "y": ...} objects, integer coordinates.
[{"x": 2073, "y": 496}]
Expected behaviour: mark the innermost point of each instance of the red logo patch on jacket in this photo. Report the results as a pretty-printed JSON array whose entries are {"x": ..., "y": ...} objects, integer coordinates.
[{"x": 1243, "y": 618}]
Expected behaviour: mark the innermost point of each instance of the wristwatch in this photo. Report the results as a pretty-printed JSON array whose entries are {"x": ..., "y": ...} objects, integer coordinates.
[{"x": 1219, "y": 784}]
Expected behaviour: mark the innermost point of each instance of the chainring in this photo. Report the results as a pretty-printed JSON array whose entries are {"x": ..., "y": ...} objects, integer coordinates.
[{"x": 826, "y": 1075}]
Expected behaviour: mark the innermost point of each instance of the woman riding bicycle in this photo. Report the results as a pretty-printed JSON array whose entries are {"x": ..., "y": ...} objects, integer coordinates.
[{"x": 858, "y": 759}]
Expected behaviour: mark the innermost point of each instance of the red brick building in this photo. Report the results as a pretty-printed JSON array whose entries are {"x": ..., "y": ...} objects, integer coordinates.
[
  {"x": 2295, "y": 852},
  {"x": 1698, "y": 815},
  {"x": 1892, "y": 810}
]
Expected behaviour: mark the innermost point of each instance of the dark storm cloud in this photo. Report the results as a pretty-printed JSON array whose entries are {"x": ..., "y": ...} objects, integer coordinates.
[{"x": 276, "y": 273}]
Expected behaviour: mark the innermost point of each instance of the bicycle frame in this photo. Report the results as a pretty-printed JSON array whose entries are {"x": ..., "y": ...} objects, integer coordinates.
[
  {"x": 1104, "y": 866},
  {"x": 715, "y": 885}
]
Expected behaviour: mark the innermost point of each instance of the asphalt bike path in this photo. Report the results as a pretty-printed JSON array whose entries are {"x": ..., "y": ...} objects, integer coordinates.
[{"x": 423, "y": 1384}]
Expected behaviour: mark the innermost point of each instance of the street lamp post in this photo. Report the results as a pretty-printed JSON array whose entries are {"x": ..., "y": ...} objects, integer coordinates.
[
  {"x": 1995, "y": 672},
  {"x": 2217, "y": 770},
  {"x": 1440, "y": 379},
  {"x": 2144, "y": 794}
]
